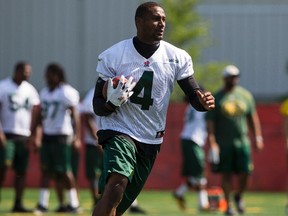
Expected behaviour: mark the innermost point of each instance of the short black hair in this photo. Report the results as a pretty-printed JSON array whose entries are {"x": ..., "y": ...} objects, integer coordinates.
[
  {"x": 20, "y": 66},
  {"x": 57, "y": 70},
  {"x": 143, "y": 9}
]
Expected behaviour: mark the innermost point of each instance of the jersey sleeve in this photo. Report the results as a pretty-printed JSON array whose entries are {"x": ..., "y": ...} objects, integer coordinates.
[
  {"x": 185, "y": 66},
  {"x": 103, "y": 69},
  {"x": 86, "y": 104},
  {"x": 71, "y": 96}
]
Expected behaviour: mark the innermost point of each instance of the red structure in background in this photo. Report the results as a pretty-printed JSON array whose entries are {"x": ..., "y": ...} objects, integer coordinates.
[{"x": 270, "y": 172}]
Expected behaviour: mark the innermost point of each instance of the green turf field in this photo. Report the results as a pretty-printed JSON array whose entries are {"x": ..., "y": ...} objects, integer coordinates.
[{"x": 156, "y": 203}]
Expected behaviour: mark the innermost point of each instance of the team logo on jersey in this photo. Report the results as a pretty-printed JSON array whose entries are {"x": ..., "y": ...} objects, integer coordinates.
[
  {"x": 160, "y": 134},
  {"x": 233, "y": 108},
  {"x": 146, "y": 64}
]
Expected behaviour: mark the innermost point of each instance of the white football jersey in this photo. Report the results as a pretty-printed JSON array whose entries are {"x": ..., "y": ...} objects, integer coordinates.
[
  {"x": 194, "y": 126},
  {"x": 86, "y": 106},
  {"x": 16, "y": 104},
  {"x": 143, "y": 117},
  {"x": 56, "y": 113}
]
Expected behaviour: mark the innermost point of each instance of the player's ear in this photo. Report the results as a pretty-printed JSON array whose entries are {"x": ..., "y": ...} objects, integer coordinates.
[{"x": 138, "y": 21}]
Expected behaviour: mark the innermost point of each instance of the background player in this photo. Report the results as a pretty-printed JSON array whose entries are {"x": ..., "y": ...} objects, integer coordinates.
[
  {"x": 93, "y": 151},
  {"x": 18, "y": 101},
  {"x": 59, "y": 103},
  {"x": 193, "y": 139},
  {"x": 228, "y": 124}
]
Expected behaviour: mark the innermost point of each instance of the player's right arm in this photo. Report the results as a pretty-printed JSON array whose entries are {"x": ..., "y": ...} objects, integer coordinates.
[{"x": 100, "y": 106}]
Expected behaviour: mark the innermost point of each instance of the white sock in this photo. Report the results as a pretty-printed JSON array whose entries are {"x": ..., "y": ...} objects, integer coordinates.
[
  {"x": 203, "y": 199},
  {"x": 181, "y": 189},
  {"x": 73, "y": 198},
  {"x": 44, "y": 197}
]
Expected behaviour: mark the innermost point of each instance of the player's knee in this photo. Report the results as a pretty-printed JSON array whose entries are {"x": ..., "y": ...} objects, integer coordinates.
[
  {"x": 114, "y": 190},
  {"x": 115, "y": 194}
]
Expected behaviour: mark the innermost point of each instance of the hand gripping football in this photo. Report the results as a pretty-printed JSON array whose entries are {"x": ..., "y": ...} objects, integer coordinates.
[
  {"x": 117, "y": 90},
  {"x": 115, "y": 82}
]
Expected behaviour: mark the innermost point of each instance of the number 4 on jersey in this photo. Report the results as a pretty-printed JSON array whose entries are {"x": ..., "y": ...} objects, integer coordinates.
[{"x": 144, "y": 84}]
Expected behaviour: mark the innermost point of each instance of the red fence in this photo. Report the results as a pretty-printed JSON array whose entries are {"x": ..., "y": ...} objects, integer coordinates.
[{"x": 270, "y": 172}]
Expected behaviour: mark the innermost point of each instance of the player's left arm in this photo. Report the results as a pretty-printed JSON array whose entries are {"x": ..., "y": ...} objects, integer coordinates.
[
  {"x": 90, "y": 124},
  {"x": 254, "y": 123},
  {"x": 36, "y": 128},
  {"x": 201, "y": 101}
]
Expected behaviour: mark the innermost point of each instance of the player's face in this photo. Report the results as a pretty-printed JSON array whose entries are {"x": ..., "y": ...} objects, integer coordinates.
[
  {"x": 26, "y": 72},
  {"x": 231, "y": 81},
  {"x": 51, "y": 80},
  {"x": 151, "y": 27}
]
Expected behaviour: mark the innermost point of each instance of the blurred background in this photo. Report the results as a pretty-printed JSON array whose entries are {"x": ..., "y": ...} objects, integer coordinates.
[{"x": 252, "y": 34}]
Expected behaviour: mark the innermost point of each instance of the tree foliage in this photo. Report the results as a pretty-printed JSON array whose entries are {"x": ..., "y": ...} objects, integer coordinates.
[{"x": 186, "y": 29}]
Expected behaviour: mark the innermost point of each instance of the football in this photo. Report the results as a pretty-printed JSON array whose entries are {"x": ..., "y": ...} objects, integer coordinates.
[{"x": 115, "y": 81}]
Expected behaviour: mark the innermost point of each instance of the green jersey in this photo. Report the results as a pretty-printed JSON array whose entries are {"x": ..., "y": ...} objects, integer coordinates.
[{"x": 230, "y": 116}]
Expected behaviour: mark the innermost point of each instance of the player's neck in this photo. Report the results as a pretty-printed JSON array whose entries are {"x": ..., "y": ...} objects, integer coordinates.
[
  {"x": 144, "y": 49},
  {"x": 229, "y": 88},
  {"x": 53, "y": 87},
  {"x": 17, "y": 81}
]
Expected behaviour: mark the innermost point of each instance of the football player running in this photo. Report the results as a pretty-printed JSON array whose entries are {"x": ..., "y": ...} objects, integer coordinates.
[{"x": 133, "y": 117}]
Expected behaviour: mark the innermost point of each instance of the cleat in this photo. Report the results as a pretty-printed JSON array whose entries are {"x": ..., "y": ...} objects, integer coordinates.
[
  {"x": 180, "y": 201},
  {"x": 239, "y": 204},
  {"x": 20, "y": 209},
  {"x": 136, "y": 210},
  {"x": 74, "y": 210},
  {"x": 229, "y": 211},
  {"x": 40, "y": 210},
  {"x": 62, "y": 209}
]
